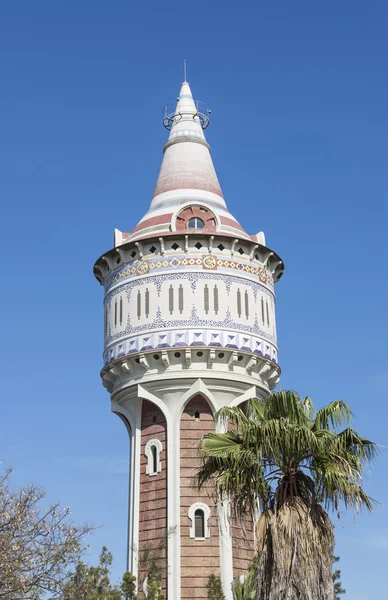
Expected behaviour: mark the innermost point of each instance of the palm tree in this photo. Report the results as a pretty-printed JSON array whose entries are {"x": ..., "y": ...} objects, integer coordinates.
[
  {"x": 291, "y": 465},
  {"x": 244, "y": 586}
]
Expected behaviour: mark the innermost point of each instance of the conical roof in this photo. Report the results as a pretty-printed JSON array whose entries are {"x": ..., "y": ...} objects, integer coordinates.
[{"x": 186, "y": 178}]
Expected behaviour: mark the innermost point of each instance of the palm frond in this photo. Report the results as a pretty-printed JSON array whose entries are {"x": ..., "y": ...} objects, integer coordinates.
[
  {"x": 275, "y": 450},
  {"x": 336, "y": 413}
]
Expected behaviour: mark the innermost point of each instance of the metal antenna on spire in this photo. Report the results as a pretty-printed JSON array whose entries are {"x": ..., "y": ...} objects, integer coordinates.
[{"x": 186, "y": 108}]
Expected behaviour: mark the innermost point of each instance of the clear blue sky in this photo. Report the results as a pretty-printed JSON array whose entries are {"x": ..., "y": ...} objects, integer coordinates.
[{"x": 299, "y": 95}]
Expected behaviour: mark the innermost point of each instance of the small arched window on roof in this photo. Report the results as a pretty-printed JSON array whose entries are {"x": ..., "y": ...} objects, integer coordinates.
[
  {"x": 195, "y": 217},
  {"x": 195, "y": 223}
]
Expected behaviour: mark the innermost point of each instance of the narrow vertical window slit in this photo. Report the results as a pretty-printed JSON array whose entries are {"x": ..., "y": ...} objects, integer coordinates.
[
  {"x": 199, "y": 524},
  {"x": 138, "y": 304},
  {"x": 239, "y": 302},
  {"x": 246, "y": 304},
  {"x": 216, "y": 300},
  {"x": 206, "y": 298},
  {"x": 154, "y": 459},
  {"x": 171, "y": 299},
  {"x": 180, "y": 298},
  {"x": 147, "y": 303}
]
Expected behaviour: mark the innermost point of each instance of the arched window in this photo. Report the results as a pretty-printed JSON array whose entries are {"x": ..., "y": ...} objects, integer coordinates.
[
  {"x": 195, "y": 217},
  {"x": 195, "y": 223},
  {"x": 199, "y": 514},
  {"x": 152, "y": 451},
  {"x": 199, "y": 523}
]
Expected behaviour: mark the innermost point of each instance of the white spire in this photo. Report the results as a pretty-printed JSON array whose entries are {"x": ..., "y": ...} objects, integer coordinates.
[
  {"x": 187, "y": 176},
  {"x": 187, "y": 170},
  {"x": 186, "y": 122}
]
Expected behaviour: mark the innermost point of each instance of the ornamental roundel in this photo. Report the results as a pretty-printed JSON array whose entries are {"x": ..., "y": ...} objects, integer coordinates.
[
  {"x": 142, "y": 268},
  {"x": 262, "y": 275},
  {"x": 209, "y": 262}
]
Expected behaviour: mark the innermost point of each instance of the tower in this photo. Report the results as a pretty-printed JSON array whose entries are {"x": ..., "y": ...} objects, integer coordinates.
[{"x": 189, "y": 325}]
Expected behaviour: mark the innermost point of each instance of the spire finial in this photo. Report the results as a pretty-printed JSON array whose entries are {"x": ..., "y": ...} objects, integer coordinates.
[{"x": 184, "y": 69}]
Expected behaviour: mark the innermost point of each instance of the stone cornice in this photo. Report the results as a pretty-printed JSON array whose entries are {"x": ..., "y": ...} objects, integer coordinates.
[
  {"x": 183, "y": 363},
  {"x": 130, "y": 253}
]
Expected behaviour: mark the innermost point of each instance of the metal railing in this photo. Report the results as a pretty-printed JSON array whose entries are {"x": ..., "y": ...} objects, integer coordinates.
[{"x": 171, "y": 116}]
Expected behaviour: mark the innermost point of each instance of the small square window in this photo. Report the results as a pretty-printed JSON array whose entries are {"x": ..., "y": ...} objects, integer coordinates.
[
  {"x": 221, "y": 247},
  {"x": 175, "y": 246},
  {"x": 198, "y": 245},
  {"x": 152, "y": 249},
  {"x": 241, "y": 251},
  {"x": 133, "y": 253}
]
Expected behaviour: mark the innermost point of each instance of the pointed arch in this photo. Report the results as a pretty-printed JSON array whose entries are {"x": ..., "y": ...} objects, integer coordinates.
[{"x": 199, "y": 388}]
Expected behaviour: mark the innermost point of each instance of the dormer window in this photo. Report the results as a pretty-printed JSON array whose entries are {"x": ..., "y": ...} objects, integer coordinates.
[
  {"x": 195, "y": 223},
  {"x": 194, "y": 218}
]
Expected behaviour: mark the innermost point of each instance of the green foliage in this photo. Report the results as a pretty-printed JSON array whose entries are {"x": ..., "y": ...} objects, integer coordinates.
[
  {"x": 277, "y": 449},
  {"x": 92, "y": 583},
  {"x": 244, "y": 587},
  {"x": 295, "y": 464},
  {"x": 37, "y": 543},
  {"x": 214, "y": 588},
  {"x": 154, "y": 579},
  {"x": 128, "y": 586},
  {"x": 153, "y": 565},
  {"x": 338, "y": 589}
]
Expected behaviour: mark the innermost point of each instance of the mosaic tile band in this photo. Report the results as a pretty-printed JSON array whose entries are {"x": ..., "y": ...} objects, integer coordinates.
[
  {"x": 188, "y": 338},
  {"x": 207, "y": 262}
]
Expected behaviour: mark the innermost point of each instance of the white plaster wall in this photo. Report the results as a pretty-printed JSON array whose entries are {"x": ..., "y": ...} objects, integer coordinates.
[
  {"x": 200, "y": 300},
  {"x": 181, "y": 327},
  {"x": 263, "y": 324},
  {"x": 188, "y": 298},
  {"x": 244, "y": 289},
  {"x": 109, "y": 313},
  {"x": 144, "y": 319}
]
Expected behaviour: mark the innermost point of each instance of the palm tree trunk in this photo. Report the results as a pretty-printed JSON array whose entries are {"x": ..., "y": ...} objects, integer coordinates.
[{"x": 295, "y": 558}]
